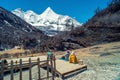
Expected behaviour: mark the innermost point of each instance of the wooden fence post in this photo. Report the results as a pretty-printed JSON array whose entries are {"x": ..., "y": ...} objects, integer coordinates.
[
  {"x": 39, "y": 74},
  {"x": 51, "y": 65},
  {"x": 47, "y": 67},
  {"x": 2, "y": 70},
  {"x": 12, "y": 68},
  {"x": 54, "y": 65},
  {"x": 30, "y": 73},
  {"x": 20, "y": 69}
]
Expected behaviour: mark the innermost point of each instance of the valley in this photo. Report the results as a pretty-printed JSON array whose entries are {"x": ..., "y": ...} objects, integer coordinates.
[{"x": 26, "y": 34}]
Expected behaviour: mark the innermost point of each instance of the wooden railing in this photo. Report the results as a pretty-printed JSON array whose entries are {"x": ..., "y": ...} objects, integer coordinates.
[{"x": 13, "y": 66}]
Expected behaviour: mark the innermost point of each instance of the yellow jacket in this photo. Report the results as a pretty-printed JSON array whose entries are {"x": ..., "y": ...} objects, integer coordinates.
[{"x": 73, "y": 58}]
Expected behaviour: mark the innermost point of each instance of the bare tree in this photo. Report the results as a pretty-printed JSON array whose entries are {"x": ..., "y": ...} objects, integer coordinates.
[{"x": 97, "y": 10}]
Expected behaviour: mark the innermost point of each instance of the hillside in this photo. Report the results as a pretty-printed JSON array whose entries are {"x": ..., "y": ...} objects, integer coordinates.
[
  {"x": 106, "y": 23},
  {"x": 15, "y": 31},
  {"x": 109, "y": 17},
  {"x": 103, "y": 27}
]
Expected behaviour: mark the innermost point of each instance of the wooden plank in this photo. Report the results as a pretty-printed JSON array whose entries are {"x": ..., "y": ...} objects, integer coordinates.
[
  {"x": 54, "y": 65},
  {"x": 51, "y": 66},
  {"x": 47, "y": 67},
  {"x": 12, "y": 74},
  {"x": 30, "y": 71},
  {"x": 20, "y": 69},
  {"x": 64, "y": 67},
  {"x": 26, "y": 60},
  {"x": 84, "y": 66},
  {"x": 39, "y": 74},
  {"x": 67, "y": 67},
  {"x": 73, "y": 73}
]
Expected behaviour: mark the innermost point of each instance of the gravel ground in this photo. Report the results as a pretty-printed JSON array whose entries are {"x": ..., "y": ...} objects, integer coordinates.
[{"x": 99, "y": 72}]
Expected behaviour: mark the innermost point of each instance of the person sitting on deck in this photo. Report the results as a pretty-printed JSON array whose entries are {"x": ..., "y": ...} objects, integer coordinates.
[
  {"x": 49, "y": 54},
  {"x": 73, "y": 58},
  {"x": 66, "y": 56}
]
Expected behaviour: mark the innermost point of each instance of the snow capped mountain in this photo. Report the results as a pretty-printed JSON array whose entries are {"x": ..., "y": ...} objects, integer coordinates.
[
  {"x": 19, "y": 12},
  {"x": 49, "y": 22},
  {"x": 30, "y": 17},
  {"x": 50, "y": 15}
]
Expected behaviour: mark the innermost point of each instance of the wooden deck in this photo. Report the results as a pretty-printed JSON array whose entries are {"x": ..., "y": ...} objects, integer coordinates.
[
  {"x": 25, "y": 62},
  {"x": 64, "y": 68},
  {"x": 26, "y": 59},
  {"x": 12, "y": 67},
  {"x": 60, "y": 67}
]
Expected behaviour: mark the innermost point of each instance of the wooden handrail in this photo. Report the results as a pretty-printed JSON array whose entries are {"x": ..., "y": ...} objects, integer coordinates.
[{"x": 13, "y": 65}]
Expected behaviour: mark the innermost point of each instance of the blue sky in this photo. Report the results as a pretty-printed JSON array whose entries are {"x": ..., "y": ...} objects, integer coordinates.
[{"x": 82, "y": 10}]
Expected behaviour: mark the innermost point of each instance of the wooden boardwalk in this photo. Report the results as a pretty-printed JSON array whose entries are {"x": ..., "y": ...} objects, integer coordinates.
[
  {"x": 26, "y": 59},
  {"x": 60, "y": 67},
  {"x": 64, "y": 68},
  {"x": 25, "y": 62},
  {"x": 14, "y": 66}
]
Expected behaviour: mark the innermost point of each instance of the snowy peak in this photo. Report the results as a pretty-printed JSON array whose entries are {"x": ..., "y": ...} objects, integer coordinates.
[
  {"x": 48, "y": 20},
  {"x": 49, "y": 14},
  {"x": 18, "y": 10},
  {"x": 48, "y": 11},
  {"x": 30, "y": 12}
]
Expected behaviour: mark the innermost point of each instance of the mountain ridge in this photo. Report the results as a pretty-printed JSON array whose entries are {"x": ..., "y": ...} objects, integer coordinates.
[{"x": 48, "y": 21}]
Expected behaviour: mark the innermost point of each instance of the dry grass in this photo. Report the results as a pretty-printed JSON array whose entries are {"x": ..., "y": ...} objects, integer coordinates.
[
  {"x": 104, "y": 53},
  {"x": 97, "y": 50},
  {"x": 13, "y": 51},
  {"x": 94, "y": 51}
]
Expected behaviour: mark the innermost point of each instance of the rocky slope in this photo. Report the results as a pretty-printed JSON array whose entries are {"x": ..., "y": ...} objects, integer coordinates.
[
  {"x": 15, "y": 31},
  {"x": 49, "y": 21},
  {"x": 106, "y": 23}
]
